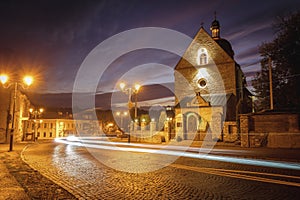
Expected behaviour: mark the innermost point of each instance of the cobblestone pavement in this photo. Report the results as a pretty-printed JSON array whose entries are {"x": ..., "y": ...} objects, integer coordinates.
[
  {"x": 25, "y": 182},
  {"x": 74, "y": 169}
]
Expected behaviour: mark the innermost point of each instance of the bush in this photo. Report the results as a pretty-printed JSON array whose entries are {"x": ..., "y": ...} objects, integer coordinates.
[{"x": 178, "y": 139}]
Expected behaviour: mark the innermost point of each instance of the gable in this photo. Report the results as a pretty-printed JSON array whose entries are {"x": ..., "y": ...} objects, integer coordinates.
[{"x": 202, "y": 40}]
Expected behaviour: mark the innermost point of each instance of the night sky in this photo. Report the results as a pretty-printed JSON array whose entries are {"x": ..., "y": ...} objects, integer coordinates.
[{"x": 50, "y": 39}]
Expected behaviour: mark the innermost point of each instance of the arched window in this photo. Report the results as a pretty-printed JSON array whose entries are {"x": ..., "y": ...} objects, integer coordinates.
[{"x": 202, "y": 58}]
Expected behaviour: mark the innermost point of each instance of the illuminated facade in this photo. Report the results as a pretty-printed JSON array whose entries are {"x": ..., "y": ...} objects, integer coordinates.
[
  {"x": 54, "y": 124},
  {"x": 210, "y": 89},
  {"x": 6, "y": 111}
]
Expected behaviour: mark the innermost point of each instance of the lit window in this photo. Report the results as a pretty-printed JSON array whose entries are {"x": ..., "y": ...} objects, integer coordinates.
[{"x": 202, "y": 58}]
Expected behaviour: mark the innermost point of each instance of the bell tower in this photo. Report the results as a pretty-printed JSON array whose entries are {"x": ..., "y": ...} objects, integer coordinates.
[{"x": 215, "y": 28}]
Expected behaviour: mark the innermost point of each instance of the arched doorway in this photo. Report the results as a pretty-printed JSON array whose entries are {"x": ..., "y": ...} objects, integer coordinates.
[{"x": 192, "y": 124}]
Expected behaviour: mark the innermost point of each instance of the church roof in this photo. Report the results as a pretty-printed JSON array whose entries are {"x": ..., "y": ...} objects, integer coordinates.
[
  {"x": 212, "y": 99},
  {"x": 226, "y": 46},
  {"x": 203, "y": 39}
]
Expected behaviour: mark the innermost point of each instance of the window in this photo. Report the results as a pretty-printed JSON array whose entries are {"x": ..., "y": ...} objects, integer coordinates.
[
  {"x": 50, "y": 134},
  {"x": 202, "y": 58},
  {"x": 38, "y": 134},
  {"x": 45, "y": 125},
  {"x": 202, "y": 83},
  {"x": 51, "y": 125},
  {"x": 44, "y": 134}
]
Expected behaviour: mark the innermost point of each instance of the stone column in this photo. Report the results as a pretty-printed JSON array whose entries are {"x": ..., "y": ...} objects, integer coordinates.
[
  {"x": 143, "y": 126},
  {"x": 216, "y": 126},
  {"x": 244, "y": 128},
  {"x": 152, "y": 128},
  {"x": 136, "y": 126},
  {"x": 179, "y": 126}
]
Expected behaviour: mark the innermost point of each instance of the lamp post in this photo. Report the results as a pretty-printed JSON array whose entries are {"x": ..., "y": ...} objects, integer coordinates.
[
  {"x": 35, "y": 114},
  {"x": 271, "y": 83},
  {"x": 27, "y": 81},
  {"x": 121, "y": 114},
  {"x": 131, "y": 91}
]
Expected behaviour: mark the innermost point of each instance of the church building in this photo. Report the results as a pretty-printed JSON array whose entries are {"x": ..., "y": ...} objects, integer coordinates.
[{"x": 210, "y": 89}]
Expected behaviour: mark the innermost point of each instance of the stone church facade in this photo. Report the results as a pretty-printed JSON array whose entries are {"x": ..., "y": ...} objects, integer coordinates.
[{"x": 210, "y": 90}]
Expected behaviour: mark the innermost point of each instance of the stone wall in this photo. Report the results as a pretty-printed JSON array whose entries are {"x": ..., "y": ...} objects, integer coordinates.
[
  {"x": 284, "y": 140},
  {"x": 21, "y": 113},
  {"x": 276, "y": 130},
  {"x": 230, "y": 131},
  {"x": 4, "y": 107}
]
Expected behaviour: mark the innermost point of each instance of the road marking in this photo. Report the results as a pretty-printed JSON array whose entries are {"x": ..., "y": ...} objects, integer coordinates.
[{"x": 234, "y": 174}]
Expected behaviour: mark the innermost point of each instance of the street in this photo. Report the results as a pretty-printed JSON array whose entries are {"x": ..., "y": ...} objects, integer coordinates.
[{"x": 103, "y": 173}]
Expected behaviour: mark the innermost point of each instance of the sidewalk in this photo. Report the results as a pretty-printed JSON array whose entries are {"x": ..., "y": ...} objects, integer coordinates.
[
  {"x": 10, "y": 187},
  {"x": 19, "y": 181}
]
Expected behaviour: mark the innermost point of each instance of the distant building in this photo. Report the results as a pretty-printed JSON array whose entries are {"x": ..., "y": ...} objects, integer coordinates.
[
  {"x": 210, "y": 89},
  {"x": 54, "y": 123},
  {"x": 6, "y": 112}
]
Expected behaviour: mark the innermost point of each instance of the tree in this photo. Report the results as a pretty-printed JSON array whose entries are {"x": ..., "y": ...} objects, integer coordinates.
[{"x": 284, "y": 52}]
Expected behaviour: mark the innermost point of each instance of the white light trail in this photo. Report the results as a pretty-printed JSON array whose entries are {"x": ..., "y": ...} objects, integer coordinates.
[{"x": 245, "y": 161}]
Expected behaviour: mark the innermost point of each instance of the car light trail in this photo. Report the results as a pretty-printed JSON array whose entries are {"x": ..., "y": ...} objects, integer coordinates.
[
  {"x": 246, "y": 161},
  {"x": 173, "y": 146}
]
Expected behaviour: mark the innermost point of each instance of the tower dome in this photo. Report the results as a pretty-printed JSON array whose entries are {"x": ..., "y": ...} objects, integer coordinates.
[
  {"x": 215, "y": 29},
  {"x": 226, "y": 46}
]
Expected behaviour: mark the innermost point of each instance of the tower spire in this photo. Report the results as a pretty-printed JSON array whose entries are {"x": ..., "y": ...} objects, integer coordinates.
[{"x": 215, "y": 28}]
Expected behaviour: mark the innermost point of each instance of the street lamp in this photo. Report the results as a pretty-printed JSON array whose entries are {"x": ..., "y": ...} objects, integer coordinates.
[
  {"x": 27, "y": 81},
  {"x": 131, "y": 91},
  {"x": 35, "y": 114}
]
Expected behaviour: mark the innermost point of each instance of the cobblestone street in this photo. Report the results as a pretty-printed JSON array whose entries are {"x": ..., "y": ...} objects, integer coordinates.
[
  {"x": 85, "y": 177},
  {"x": 34, "y": 184}
]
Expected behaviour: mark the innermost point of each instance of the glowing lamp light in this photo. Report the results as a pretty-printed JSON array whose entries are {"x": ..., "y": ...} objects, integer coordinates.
[
  {"x": 3, "y": 78},
  {"x": 122, "y": 85},
  {"x": 137, "y": 87},
  {"x": 28, "y": 80},
  {"x": 41, "y": 110}
]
